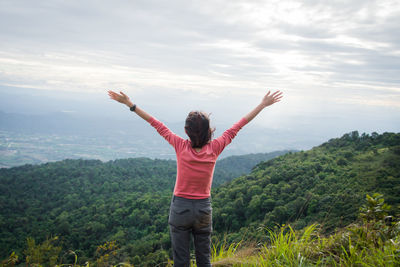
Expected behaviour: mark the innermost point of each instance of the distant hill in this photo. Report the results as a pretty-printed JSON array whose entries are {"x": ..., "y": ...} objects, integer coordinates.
[
  {"x": 49, "y": 137},
  {"x": 234, "y": 166}
]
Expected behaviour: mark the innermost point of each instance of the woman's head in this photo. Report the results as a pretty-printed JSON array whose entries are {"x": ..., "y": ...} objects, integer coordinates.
[{"x": 197, "y": 127}]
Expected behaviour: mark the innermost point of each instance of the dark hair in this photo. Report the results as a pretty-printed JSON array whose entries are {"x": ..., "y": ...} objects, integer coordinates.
[{"x": 198, "y": 129}]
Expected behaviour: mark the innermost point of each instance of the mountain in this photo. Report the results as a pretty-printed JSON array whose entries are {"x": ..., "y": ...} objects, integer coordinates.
[
  {"x": 324, "y": 185},
  {"x": 234, "y": 166},
  {"x": 85, "y": 202},
  {"x": 88, "y": 202}
]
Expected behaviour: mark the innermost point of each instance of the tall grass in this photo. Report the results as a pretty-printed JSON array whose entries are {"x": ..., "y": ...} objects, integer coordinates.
[
  {"x": 375, "y": 241},
  {"x": 352, "y": 246},
  {"x": 222, "y": 253},
  {"x": 290, "y": 248},
  {"x": 309, "y": 247}
]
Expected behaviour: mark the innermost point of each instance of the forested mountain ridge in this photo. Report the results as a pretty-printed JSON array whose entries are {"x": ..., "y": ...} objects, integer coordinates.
[
  {"x": 324, "y": 185},
  {"x": 85, "y": 202},
  {"x": 88, "y": 202},
  {"x": 234, "y": 166}
]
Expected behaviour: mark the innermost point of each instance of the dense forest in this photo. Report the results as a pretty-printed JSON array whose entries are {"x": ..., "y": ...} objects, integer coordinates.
[
  {"x": 88, "y": 203},
  {"x": 324, "y": 185}
]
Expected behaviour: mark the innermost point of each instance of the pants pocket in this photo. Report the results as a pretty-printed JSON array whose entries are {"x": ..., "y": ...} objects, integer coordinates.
[
  {"x": 179, "y": 216},
  {"x": 204, "y": 218}
]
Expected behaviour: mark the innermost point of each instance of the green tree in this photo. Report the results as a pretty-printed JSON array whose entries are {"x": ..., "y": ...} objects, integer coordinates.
[{"x": 44, "y": 254}]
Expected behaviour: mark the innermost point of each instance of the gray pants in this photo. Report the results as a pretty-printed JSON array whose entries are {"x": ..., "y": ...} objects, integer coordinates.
[{"x": 186, "y": 217}]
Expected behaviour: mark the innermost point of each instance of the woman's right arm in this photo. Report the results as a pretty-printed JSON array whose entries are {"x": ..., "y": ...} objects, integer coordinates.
[{"x": 124, "y": 99}]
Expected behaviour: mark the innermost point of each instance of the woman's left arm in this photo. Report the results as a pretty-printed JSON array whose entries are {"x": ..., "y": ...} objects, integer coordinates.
[
  {"x": 268, "y": 100},
  {"x": 124, "y": 99}
]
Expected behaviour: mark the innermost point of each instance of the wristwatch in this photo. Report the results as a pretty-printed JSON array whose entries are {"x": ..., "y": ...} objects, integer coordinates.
[{"x": 133, "y": 107}]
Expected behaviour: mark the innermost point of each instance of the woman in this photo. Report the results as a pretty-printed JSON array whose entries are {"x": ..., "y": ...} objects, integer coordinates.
[{"x": 190, "y": 211}]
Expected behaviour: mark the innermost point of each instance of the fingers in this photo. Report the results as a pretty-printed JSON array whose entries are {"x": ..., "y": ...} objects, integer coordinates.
[
  {"x": 277, "y": 93},
  {"x": 274, "y": 94},
  {"x": 275, "y": 97},
  {"x": 112, "y": 94},
  {"x": 278, "y": 96}
]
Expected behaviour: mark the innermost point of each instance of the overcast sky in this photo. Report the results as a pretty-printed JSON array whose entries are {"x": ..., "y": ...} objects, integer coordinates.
[{"x": 337, "y": 62}]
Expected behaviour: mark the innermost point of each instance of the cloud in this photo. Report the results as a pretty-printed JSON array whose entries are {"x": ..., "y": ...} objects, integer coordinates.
[{"x": 321, "y": 49}]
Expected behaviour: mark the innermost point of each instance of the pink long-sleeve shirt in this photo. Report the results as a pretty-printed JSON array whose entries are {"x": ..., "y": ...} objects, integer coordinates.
[{"x": 195, "y": 169}]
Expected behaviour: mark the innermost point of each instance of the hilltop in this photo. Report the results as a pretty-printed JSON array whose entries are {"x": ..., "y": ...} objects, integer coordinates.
[
  {"x": 324, "y": 185},
  {"x": 87, "y": 203}
]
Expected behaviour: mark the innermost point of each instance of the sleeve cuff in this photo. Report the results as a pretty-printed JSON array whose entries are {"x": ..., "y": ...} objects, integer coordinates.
[{"x": 243, "y": 121}]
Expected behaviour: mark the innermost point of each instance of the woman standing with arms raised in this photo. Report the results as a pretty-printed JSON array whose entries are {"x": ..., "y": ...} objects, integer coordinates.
[{"x": 191, "y": 212}]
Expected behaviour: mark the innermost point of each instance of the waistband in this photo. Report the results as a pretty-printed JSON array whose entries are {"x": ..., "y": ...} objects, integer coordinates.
[{"x": 190, "y": 199}]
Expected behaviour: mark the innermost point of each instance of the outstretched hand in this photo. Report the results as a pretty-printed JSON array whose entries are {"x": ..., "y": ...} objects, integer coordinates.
[
  {"x": 267, "y": 100},
  {"x": 121, "y": 98},
  {"x": 270, "y": 99}
]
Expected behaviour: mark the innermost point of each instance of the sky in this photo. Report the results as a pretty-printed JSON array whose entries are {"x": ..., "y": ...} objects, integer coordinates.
[{"x": 337, "y": 62}]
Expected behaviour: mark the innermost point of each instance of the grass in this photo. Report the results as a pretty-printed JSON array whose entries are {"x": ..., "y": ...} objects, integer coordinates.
[
  {"x": 305, "y": 248},
  {"x": 374, "y": 241},
  {"x": 308, "y": 247}
]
